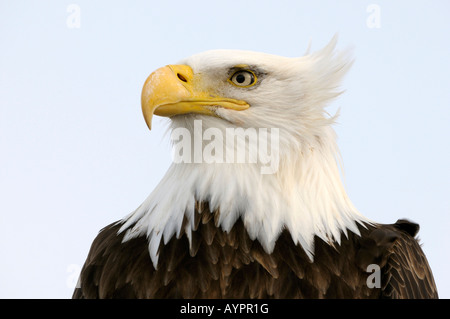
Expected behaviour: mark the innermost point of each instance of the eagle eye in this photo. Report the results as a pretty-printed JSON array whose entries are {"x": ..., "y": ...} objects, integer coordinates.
[{"x": 243, "y": 78}]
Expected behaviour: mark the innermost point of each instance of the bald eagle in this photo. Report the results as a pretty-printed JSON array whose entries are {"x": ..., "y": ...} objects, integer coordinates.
[{"x": 253, "y": 205}]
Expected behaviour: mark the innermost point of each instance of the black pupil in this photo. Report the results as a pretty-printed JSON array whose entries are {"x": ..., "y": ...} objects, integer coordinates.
[{"x": 240, "y": 78}]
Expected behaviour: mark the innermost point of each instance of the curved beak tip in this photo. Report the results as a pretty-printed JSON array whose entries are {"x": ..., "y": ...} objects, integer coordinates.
[{"x": 149, "y": 124}]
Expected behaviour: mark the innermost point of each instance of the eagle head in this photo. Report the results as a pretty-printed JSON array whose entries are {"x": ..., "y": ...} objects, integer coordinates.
[
  {"x": 232, "y": 88},
  {"x": 213, "y": 95}
]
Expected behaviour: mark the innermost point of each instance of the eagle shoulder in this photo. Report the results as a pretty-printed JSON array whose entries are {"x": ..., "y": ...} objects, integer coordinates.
[
  {"x": 406, "y": 274},
  {"x": 112, "y": 268}
]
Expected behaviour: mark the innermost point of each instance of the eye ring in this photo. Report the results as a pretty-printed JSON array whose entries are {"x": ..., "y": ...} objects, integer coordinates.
[{"x": 243, "y": 78}]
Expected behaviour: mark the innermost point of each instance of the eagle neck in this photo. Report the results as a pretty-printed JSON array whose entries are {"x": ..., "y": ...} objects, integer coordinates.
[{"x": 304, "y": 196}]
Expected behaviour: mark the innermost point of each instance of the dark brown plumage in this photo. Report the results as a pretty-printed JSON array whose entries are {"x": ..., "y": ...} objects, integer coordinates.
[{"x": 231, "y": 265}]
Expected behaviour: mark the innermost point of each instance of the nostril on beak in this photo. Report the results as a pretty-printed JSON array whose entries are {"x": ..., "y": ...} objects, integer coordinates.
[{"x": 181, "y": 77}]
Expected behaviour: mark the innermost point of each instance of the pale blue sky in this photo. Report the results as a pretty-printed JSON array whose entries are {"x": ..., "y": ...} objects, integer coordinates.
[{"x": 76, "y": 154}]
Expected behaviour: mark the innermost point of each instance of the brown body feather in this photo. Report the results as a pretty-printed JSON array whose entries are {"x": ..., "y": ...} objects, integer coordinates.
[{"x": 231, "y": 265}]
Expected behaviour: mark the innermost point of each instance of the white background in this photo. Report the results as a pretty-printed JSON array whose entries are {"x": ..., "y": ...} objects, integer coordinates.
[{"x": 76, "y": 154}]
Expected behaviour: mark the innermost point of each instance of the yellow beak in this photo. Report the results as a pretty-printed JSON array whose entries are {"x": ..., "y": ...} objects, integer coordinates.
[{"x": 172, "y": 90}]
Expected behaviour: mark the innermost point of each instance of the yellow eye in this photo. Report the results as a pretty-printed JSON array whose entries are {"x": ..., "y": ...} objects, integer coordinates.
[{"x": 243, "y": 78}]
